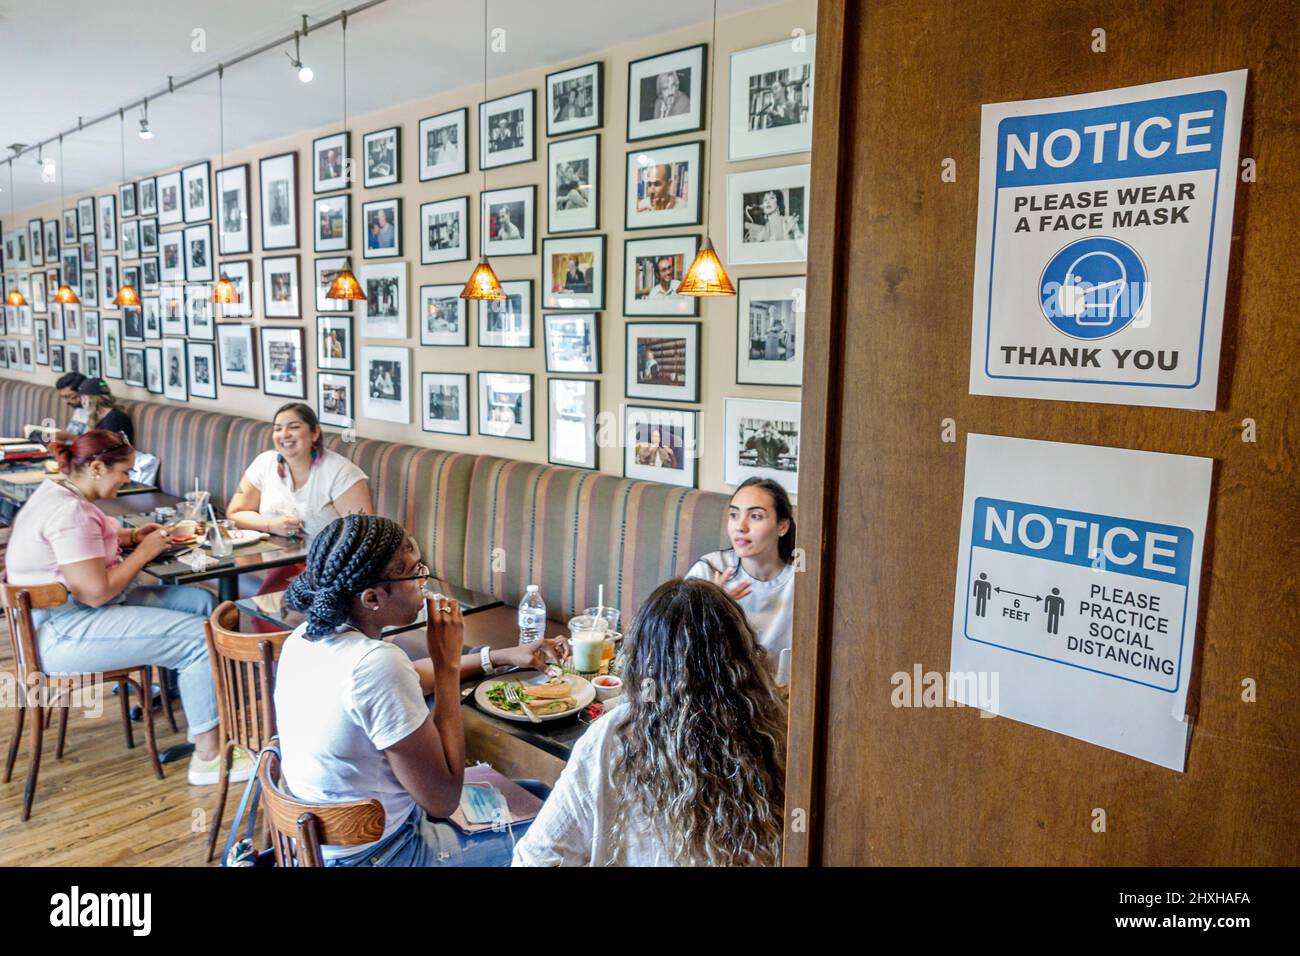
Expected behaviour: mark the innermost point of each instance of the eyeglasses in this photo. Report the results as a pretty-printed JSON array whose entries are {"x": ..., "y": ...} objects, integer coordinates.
[
  {"x": 422, "y": 573},
  {"x": 123, "y": 442}
]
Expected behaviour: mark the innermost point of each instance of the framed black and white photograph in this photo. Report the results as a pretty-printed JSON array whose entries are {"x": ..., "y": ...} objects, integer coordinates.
[
  {"x": 91, "y": 320},
  {"x": 131, "y": 277},
  {"x": 572, "y": 405},
  {"x": 170, "y": 207},
  {"x": 126, "y": 199},
  {"x": 41, "y": 331},
  {"x": 236, "y": 356},
  {"x": 153, "y": 374},
  {"x": 767, "y": 215},
  {"x": 329, "y": 168},
  {"x": 662, "y": 361},
  {"x": 772, "y": 99},
  {"x": 442, "y": 145},
  {"x": 573, "y": 273},
  {"x": 202, "y": 357},
  {"x": 327, "y": 271},
  {"x": 90, "y": 284},
  {"x": 172, "y": 305},
  {"x": 284, "y": 363},
  {"x": 507, "y": 128},
  {"x": 573, "y": 184},
  {"x": 240, "y": 274},
  {"x": 199, "y": 312},
  {"x": 151, "y": 313},
  {"x": 278, "y": 176},
  {"x": 133, "y": 366},
  {"x": 172, "y": 256},
  {"x": 131, "y": 239},
  {"x": 572, "y": 342},
  {"x": 444, "y": 231},
  {"x": 28, "y": 363},
  {"x": 132, "y": 325},
  {"x": 56, "y": 358},
  {"x": 51, "y": 245},
  {"x": 148, "y": 195},
  {"x": 71, "y": 312},
  {"x": 665, "y": 93},
  {"x": 575, "y": 99},
  {"x": 148, "y": 237},
  {"x": 94, "y": 359},
  {"x": 89, "y": 256},
  {"x": 85, "y": 218},
  {"x": 508, "y": 323},
  {"x": 382, "y": 154},
  {"x": 175, "y": 374},
  {"x": 509, "y": 218},
  {"x": 333, "y": 223},
  {"x": 335, "y": 348},
  {"x": 505, "y": 405},
  {"x": 149, "y": 277},
  {"x": 769, "y": 330},
  {"x": 382, "y": 221},
  {"x": 39, "y": 301},
  {"x": 71, "y": 227},
  {"x": 196, "y": 194},
  {"x": 72, "y": 268},
  {"x": 663, "y": 186},
  {"x": 58, "y": 329},
  {"x": 35, "y": 242},
  {"x": 335, "y": 399},
  {"x": 444, "y": 402},
  {"x": 761, "y": 440},
  {"x": 653, "y": 270},
  {"x": 443, "y": 315},
  {"x": 660, "y": 444},
  {"x": 112, "y": 331},
  {"x": 233, "y": 228},
  {"x": 280, "y": 288},
  {"x": 386, "y": 383},
  {"x": 76, "y": 357},
  {"x": 107, "y": 222},
  {"x": 384, "y": 313},
  {"x": 198, "y": 253}
]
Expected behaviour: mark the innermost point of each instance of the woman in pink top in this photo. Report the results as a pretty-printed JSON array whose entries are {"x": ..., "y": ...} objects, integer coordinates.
[{"x": 60, "y": 535}]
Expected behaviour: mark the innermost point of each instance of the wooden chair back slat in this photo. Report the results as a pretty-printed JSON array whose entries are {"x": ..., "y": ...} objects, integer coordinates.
[
  {"x": 298, "y": 827},
  {"x": 19, "y": 600},
  {"x": 243, "y": 669}
]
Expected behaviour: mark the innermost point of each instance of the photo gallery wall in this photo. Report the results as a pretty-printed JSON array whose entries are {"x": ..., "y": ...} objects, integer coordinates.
[{"x": 174, "y": 236}]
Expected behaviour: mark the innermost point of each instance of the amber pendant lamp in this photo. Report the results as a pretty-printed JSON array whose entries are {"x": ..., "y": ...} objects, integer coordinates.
[
  {"x": 224, "y": 292},
  {"x": 345, "y": 285},
  {"x": 483, "y": 284},
  {"x": 14, "y": 297},
  {"x": 65, "y": 295},
  {"x": 126, "y": 296}
]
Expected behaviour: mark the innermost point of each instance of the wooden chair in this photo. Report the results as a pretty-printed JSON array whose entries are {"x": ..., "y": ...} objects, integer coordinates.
[
  {"x": 243, "y": 673},
  {"x": 36, "y": 686},
  {"x": 298, "y": 828}
]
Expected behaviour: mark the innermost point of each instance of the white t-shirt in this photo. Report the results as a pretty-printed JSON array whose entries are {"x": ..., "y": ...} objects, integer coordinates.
[
  {"x": 340, "y": 702},
  {"x": 78, "y": 422},
  {"x": 330, "y": 477},
  {"x": 576, "y": 823},
  {"x": 769, "y": 605}
]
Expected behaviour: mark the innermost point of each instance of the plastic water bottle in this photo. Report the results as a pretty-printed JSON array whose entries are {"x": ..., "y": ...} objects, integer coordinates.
[{"x": 532, "y": 616}]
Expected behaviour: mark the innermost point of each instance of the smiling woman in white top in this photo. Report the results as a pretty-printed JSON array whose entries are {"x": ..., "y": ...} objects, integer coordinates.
[
  {"x": 758, "y": 569},
  {"x": 299, "y": 485},
  {"x": 690, "y": 769}
]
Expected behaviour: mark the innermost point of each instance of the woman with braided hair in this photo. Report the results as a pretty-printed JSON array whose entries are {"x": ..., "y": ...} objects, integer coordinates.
[{"x": 351, "y": 708}]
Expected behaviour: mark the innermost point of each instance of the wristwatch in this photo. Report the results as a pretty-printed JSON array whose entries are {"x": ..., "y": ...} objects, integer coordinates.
[{"x": 485, "y": 658}]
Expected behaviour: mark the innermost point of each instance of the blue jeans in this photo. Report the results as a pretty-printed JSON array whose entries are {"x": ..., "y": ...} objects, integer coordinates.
[
  {"x": 156, "y": 625},
  {"x": 422, "y": 841}
]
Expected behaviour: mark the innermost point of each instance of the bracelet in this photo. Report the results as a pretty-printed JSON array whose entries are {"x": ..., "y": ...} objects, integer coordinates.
[
  {"x": 485, "y": 658},
  {"x": 135, "y": 536}
]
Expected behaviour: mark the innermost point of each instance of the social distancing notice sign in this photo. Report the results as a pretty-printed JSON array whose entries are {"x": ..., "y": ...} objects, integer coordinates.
[
  {"x": 1102, "y": 251},
  {"x": 1077, "y": 586}
]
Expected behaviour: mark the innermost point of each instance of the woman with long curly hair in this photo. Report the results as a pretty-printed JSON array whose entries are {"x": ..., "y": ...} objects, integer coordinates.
[{"x": 690, "y": 769}]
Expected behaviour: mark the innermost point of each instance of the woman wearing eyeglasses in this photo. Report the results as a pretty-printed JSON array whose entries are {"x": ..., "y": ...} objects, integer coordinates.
[
  {"x": 350, "y": 707},
  {"x": 61, "y": 535}
]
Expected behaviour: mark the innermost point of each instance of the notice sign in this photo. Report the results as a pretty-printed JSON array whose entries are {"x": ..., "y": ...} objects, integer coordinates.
[
  {"x": 1102, "y": 254},
  {"x": 1078, "y": 587}
]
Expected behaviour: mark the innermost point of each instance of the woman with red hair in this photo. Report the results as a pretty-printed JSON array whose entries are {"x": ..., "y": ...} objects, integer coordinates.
[{"x": 61, "y": 535}]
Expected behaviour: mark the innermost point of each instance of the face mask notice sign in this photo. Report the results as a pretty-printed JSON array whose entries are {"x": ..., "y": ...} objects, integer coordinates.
[
  {"x": 1101, "y": 258},
  {"x": 1078, "y": 589}
]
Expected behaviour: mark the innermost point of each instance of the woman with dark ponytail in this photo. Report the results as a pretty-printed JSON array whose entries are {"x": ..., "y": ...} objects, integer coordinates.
[
  {"x": 758, "y": 569},
  {"x": 351, "y": 707}
]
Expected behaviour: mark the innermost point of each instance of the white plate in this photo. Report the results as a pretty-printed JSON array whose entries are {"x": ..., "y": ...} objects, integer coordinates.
[
  {"x": 583, "y": 693},
  {"x": 242, "y": 536}
]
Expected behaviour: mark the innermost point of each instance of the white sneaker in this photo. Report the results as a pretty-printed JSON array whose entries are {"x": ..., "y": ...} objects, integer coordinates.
[{"x": 205, "y": 773}]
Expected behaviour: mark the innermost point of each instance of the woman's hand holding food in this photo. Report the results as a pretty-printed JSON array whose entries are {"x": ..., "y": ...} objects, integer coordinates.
[
  {"x": 445, "y": 634},
  {"x": 535, "y": 655}
]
